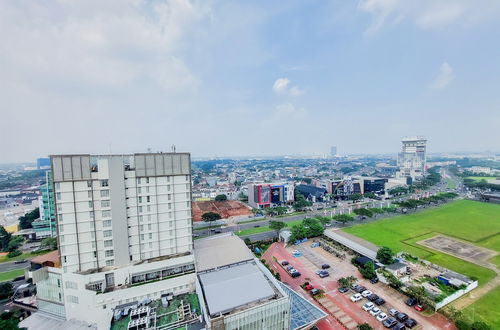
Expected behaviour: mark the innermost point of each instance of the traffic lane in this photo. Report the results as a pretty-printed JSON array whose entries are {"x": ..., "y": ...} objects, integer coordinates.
[
  {"x": 12, "y": 265},
  {"x": 281, "y": 254}
]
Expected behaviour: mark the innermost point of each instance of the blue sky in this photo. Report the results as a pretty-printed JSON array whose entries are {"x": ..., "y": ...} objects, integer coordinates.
[{"x": 222, "y": 78}]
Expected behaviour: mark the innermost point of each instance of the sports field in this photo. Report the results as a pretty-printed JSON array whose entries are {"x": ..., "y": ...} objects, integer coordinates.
[{"x": 476, "y": 222}]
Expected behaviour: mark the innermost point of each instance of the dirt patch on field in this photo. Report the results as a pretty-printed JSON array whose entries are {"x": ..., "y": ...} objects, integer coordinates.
[
  {"x": 458, "y": 248},
  {"x": 226, "y": 209}
]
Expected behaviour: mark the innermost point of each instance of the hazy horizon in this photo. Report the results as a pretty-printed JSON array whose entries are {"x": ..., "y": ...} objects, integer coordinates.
[{"x": 231, "y": 78}]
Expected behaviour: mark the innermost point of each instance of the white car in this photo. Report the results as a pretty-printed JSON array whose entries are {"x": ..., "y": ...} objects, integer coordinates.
[
  {"x": 375, "y": 311},
  {"x": 366, "y": 293},
  {"x": 368, "y": 306},
  {"x": 381, "y": 317},
  {"x": 356, "y": 297}
]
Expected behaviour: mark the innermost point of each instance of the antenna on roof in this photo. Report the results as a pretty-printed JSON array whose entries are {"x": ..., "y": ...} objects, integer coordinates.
[
  {"x": 173, "y": 147},
  {"x": 149, "y": 150}
]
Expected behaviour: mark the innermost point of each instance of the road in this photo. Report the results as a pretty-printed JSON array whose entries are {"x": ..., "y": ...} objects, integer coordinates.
[{"x": 11, "y": 265}]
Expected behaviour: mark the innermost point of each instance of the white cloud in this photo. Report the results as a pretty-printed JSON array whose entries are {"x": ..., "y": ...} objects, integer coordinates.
[
  {"x": 283, "y": 86},
  {"x": 428, "y": 14},
  {"x": 289, "y": 111},
  {"x": 444, "y": 77}
]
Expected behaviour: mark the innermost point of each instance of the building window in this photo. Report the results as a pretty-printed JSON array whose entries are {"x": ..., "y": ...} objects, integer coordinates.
[
  {"x": 108, "y": 243},
  {"x": 109, "y": 253},
  {"x": 71, "y": 285},
  {"x": 147, "y": 180},
  {"x": 187, "y": 185},
  {"x": 61, "y": 238},
  {"x": 149, "y": 208},
  {"x": 104, "y": 203},
  {"x": 141, "y": 218},
  {"x": 61, "y": 228},
  {"x": 187, "y": 195},
  {"x": 140, "y": 209},
  {"x": 141, "y": 228},
  {"x": 140, "y": 199},
  {"x": 58, "y": 196},
  {"x": 150, "y": 235},
  {"x": 107, "y": 233},
  {"x": 138, "y": 180},
  {"x": 187, "y": 203},
  {"x": 106, "y": 223},
  {"x": 148, "y": 199},
  {"x": 104, "y": 193},
  {"x": 110, "y": 262},
  {"x": 169, "y": 206},
  {"x": 106, "y": 213},
  {"x": 149, "y": 227},
  {"x": 168, "y": 179},
  {"x": 91, "y": 204},
  {"x": 57, "y": 185},
  {"x": 168, "y": 187},
  {"x": 104, "y": 183},
  {"x": 91, "y": 214},
  {"x": 72, "y": 299},
  {"x": 64, "y": 260},
  {"x": 169, "y": 197},
  {"x": 139, "y": 190},
  {"x": 187, "y": 177},
  {"x": 60, "y": 217},
  {"x": 89, "y": 184},
  {"x": 142, "y": 237},
  {"x": 147, "y": 189},
  {"x": 89, "y": 193}
]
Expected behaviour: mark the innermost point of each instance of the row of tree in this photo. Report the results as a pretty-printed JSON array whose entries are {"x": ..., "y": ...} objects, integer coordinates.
[{"x": 436, "y": 199}]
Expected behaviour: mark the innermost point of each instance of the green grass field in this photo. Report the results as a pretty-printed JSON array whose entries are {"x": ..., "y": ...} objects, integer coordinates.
[
  {"x": 479, "y": 178},
  {"x": 486, "y": 309},
  {"x": 472, "y": 221},
  {"x": 476, "y": 222},
  {"x": 7, "y": 276},
  {"x": 28, "y": 255},
  {"x": 263, "y": 229},
  {"x": 450, "y": 183}
]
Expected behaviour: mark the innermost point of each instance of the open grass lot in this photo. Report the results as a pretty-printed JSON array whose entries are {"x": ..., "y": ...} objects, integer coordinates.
[
  {"x": 7, "y": 276},
  {"x": 486, "y": 309},
  {"x": 263, "y": 229},
  {"x": 476, "y": 222},
  {"x": 479, "y": 178},
  {"x": 27, "y": 255},
  {"x": 450, "y": 183},
  {"x": 472, "y": 221}
]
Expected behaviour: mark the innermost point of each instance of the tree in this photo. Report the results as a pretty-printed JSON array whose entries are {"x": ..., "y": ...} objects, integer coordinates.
[
  {"x": 419, "y": 293},
  {"x": 368, "y": 270},
  {"x": 221, "y": 197},
  {"x": 49, "y": 243},
  {"x": 5, "y": 290},
  {"x": 300, "y": 202},
  {"x": 210, "y": 217},
  {"x": 15, "y": 243},
  {"x": 277, "y": 225},
  {"x": 324, "y": 220},
  {"x": 4, "y": 239},
  {"x": 365, "y": 326},
  {"x": 363, "y": 212},
  {"x": 385, "y": 255},
  {"x": 26, "y": 220},
  {"x": 355, "y": 197},
  {"x": 370, "y": 195},
  {"x": 344, "y": 218},
  {"x": 247, "y": 241},
  {"x": 345, "y": 282},
  {"x": 257, "y": 211}
]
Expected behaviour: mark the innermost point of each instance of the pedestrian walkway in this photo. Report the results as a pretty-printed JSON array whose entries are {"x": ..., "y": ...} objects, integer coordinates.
[{"x": 354, "y": 243}]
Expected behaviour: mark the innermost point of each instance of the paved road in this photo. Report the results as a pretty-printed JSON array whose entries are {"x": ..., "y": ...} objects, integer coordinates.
[{"x": 11, "y": 265}]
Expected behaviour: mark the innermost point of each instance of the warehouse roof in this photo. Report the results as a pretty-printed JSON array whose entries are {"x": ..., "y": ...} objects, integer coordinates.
[
  {"x": 234, "y": 287},
  {"x": 220, "y": 250}
]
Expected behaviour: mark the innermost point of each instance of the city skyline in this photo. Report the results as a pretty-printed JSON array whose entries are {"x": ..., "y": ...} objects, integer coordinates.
[{"x": 238, "y": 76}]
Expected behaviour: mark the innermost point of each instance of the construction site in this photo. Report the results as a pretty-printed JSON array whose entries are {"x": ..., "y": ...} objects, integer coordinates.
[{"x": 226, "y": 209}]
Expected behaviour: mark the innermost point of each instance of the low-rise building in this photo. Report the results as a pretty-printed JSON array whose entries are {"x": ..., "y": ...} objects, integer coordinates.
[{"x": 262, "y": 195}]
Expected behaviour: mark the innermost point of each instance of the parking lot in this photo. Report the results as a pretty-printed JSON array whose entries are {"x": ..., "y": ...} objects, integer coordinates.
[{"x": 339, "y": 304}]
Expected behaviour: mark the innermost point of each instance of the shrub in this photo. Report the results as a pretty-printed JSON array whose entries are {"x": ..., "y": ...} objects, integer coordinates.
[{"x": 14, "y": 253}]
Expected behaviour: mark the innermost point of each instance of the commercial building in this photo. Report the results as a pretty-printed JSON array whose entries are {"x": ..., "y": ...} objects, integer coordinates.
[
  {"x": 262, "y": 195},
  {"x": 342, "y": 189},
  {"x": 124, "y": 233},
  {"x": 312, "y": 193},
  {"x": 46, "y": 226},
  {"x": 412, "y": 158},
  {"x": 237, "y": 292},
  {"x": 333, "y": 151}
]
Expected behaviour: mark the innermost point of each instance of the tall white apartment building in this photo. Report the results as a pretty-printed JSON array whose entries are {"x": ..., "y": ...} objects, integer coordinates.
[
  {"x": 124, "y": 232},
  {"x": 412, "y": 158}
]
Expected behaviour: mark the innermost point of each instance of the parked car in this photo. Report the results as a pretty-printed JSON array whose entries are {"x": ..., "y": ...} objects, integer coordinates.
[
  {"x": 354, "y": 286},
  {"x": 308, "y": 287},
  {"x": 325, "y": 266},
  {"x": 411, "y": 323},
  {"x": 374, "y": 280},
  {"x": 314, "y": 292},
  {"x": 419, "y": 308},
  {"x": 314, "y": 244},
  {"x": 295, "y": 274},
  {"x": 20, "y": 261},
  {"x": 402, "y": 317},
  {"x": 289, "y": 268},
  {"x": 399, "y": 326},
  {"x": 368, "y": 306},
  {"x": 390, "y": 322},
  {"x": 343, "y": 290},
  {"x": 356, "y": 297},
  {"x": 381, "y": 317},
  {"x": 373, "y": 297},
  {"x": 366, "y": 293},
  {"x": 379, "y": 302},
  {"x": 375, "y": 311},
  {"x": 360, "y": 289},
  {"x": 285, "y": 263},
  {"x": 411, "y": 301},
  {"x": 393, "y": 312},
  {"x": 324, "y": 274}
]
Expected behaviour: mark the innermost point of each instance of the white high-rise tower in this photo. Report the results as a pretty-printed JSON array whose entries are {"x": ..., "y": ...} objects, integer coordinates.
[{"x": 412, "y": 158}]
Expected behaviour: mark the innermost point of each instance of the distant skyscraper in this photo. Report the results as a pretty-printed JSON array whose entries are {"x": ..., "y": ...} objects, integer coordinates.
[
  {"x": 412, "y": 158},
  {"x": 333, "y": 151}
]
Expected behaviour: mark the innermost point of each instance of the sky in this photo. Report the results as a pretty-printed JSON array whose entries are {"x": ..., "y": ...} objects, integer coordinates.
[{"x": 247, "y": 78}]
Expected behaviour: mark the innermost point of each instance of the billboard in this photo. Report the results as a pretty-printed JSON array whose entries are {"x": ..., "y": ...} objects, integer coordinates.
[
  {"x": 277, "y": 194},
  {"x": 264, "y": 194}
]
